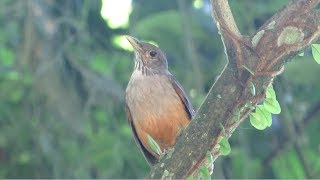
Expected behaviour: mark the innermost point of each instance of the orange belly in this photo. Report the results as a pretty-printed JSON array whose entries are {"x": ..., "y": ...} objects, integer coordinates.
[{"x": 163, "y": 128}]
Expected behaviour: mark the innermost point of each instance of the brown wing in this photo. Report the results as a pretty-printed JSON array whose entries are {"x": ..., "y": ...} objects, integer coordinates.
[
  {"x": 179, "y": 90},
  {"x": 149, "y": 157}
]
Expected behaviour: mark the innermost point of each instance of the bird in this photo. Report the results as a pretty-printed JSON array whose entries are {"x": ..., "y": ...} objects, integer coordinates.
[{"x": 155, "y": 102}]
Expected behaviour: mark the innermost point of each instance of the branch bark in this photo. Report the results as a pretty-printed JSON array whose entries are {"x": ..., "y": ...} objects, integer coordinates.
[{"x": 290, "y": 30}]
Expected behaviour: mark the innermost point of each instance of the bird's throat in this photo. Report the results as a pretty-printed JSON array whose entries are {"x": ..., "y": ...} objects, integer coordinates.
[{"x": 141, "y": 70}]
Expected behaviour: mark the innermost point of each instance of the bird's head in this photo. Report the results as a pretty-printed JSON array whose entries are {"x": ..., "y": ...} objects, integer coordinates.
[{"x": 149, "y": 59}]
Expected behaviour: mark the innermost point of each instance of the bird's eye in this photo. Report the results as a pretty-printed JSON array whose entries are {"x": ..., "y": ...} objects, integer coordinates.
[{"x": 153, "y": 53}]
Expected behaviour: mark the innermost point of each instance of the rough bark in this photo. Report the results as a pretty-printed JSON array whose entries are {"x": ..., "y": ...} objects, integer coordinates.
[{"x": 289, "y": 31}]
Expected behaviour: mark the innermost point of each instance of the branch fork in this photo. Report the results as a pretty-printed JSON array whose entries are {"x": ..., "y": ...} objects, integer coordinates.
[{"x": 289, "y": 31}]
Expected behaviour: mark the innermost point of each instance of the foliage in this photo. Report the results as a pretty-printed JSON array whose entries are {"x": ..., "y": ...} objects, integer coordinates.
[
  {"x": 224, "y": 147},
  {"x": 261, "y": 118},
  {"x": 205, "y": 174},
  {"x": 153, "y": 144},
  {"x": 316, "y": 52}
]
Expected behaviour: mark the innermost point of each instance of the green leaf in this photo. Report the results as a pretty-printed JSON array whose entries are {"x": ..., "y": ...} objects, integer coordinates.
[
  {"x": 190, "y": 177},
  {"x": 265, "y": 114},
  {"x": 315, "y": 48},
  {"x": 248, "y": 69},
  {"x": 209, "y": 157},
  {"x": 271, "y": 93},
  {"x": 204, "y": 172},
  {"x": 154, "y": 145},
  {"x": 261, "y": 119},
  {"x": 252, "y": 89},
  {"x": 301, "y": 54},
  {"x": 249, "y": 105},
  {"x": 272, "y": 105},
  {"x": 225, "y": 148},
  {"x": 258, "y": 120}
]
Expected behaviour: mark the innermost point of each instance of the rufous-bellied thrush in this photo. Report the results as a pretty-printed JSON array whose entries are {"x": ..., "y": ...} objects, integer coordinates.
[{"x": 156, "y": 104}]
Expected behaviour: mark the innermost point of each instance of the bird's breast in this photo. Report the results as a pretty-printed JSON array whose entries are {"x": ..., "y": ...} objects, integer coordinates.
[
  {"x": 156, "y": 109},
  {"x": 151, "y": 94}
]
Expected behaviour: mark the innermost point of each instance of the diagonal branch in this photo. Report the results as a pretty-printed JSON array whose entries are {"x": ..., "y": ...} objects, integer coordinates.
[{"x": 290, "y": 30}]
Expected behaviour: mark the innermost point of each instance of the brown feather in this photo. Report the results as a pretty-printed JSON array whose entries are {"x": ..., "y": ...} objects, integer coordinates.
[
  {"x": 151, "y": 159},
  {"x": 184, "y": 98}
]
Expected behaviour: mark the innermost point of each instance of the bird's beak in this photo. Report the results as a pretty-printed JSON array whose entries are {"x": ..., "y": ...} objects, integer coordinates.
[{"x": 135, "y": 43}]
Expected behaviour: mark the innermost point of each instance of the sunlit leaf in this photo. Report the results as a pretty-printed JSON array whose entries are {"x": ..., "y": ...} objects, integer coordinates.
[
  {"x": 190, "y": 177},
  {"x": 154, "y": 145},
  {"x": 209, "y": 157},
  {"x": 301, "y": 54},
  {"x": 248, "y": 69},
  {"x": 265, "y": 114},
  {"x": 252, "y": 89},
  {"x": 225, "y": 148},
  {"x": 271, "y": 93},
  {"x": 316, "y": 52},
  {"x": 258, "y": 120},
  {"x": 204, "y": 172},
  {"x": 272, "y": 105}
]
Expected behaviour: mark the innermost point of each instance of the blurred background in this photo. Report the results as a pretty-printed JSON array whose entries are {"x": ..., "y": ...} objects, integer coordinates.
[{"x": 64, "y": 66}]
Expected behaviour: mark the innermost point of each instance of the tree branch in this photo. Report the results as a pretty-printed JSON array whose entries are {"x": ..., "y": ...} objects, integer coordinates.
[{"x": 290, "y": 30}]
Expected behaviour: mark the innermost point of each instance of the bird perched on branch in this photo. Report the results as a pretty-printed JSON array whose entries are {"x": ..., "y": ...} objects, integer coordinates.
[{"x": 156, "y": 104}]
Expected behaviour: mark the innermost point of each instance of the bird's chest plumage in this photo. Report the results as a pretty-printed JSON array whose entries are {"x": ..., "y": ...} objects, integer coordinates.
[
  {"x": 150, "y": 94},
  {"x": 156, "y": 109}
]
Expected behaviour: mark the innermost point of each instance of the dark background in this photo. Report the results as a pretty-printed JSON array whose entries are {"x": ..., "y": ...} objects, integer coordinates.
[{"x": 63, "y": 73}]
